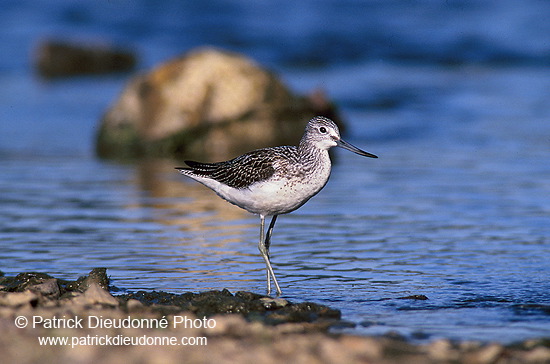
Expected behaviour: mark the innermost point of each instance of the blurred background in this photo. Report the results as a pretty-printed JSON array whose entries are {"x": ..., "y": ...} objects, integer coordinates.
[{"x": 452, "y": 95}]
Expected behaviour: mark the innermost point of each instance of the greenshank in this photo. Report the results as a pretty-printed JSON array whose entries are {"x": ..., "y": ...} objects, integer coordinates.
[{"x": 274, "y": 181}]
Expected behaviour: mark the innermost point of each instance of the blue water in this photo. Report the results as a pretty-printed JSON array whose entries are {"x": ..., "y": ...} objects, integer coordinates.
[{"x": 453, "y": 96}]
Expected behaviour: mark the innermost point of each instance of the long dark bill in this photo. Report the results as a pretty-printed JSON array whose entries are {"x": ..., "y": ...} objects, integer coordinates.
[{"x": 343, "y": 144}]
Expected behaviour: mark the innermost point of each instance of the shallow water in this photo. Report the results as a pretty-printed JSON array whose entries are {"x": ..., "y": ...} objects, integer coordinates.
[{"x": 457, "y": 207}]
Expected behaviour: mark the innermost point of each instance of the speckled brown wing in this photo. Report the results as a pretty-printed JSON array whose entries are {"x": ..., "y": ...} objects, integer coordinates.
[{"x": 241, "y": 172}]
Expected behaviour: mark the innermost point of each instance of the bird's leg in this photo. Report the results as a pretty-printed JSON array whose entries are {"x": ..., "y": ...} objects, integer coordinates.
[
  {"x": 269, "y": 232},
  {"x": 263, "y": 246},
  {"x": 267, "y": 243},
  {"x": 263, "y": 251}
]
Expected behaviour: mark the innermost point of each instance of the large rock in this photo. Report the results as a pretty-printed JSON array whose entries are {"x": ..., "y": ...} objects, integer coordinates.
[{"x": 207, "y": 104}]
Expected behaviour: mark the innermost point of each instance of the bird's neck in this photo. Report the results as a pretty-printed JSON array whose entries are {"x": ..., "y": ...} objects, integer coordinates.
[{"x": 310, "y": 154}]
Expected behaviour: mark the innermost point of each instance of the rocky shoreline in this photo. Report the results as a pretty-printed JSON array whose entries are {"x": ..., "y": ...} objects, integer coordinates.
[{"x": 45, "y": 319}]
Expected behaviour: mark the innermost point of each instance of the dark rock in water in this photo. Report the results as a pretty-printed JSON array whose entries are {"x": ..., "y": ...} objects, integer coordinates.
[
  {"x": 419, "y": 297},
  {"x": 303, "y": 312},
  {"x": 62, "y": 59},
  {"x": 22, "y": 281},
  {"x": 208, "y": 104},
  {"x": 44, "y": 284},
  {"x": 97, "y": 275},
  {"x": 252, "y": 306},
  {"x": 42, "y": 290}
]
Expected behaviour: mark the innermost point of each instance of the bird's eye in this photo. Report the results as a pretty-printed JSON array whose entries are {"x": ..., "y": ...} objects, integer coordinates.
[{"x": 323, "y": 130}]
